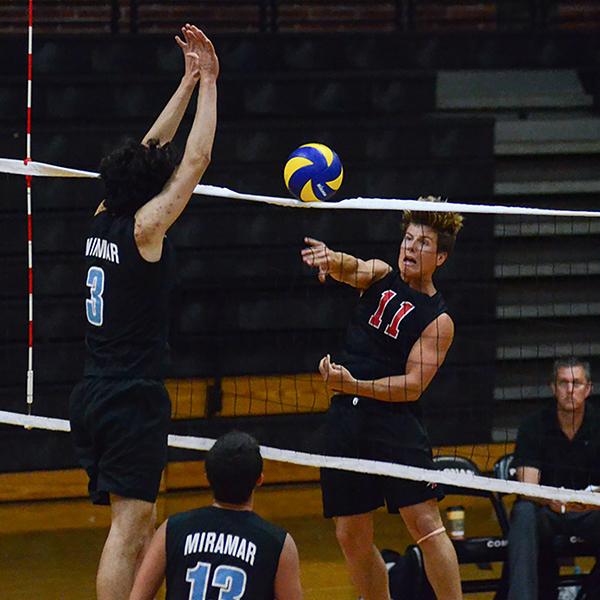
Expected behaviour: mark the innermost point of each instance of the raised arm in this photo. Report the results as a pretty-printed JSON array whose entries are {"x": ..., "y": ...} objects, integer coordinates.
[
  {"x": 287, "y": 577},
  {"x": 343, "y": 267},
  {"x": 157, "y": 215},
  {"x": 424, "y": 360},
  {"x": 152, "y": 570},
  {"x": 165, "y": 127}
]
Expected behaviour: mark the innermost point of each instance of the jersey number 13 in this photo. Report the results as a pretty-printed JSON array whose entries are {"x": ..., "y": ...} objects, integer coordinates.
[{"x": 230, "y": 580}]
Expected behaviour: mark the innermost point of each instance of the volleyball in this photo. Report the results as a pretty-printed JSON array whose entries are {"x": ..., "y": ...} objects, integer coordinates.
[{"x": 313, "y": 172}]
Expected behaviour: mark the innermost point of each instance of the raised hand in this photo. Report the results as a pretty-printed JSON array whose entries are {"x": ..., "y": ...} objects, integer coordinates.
[
  {"x": 318, "y": 255},
  {"x": 199, "y": 54}
]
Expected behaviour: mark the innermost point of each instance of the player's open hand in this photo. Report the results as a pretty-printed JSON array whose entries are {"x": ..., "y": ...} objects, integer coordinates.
[
  {"x": 199, "y": 54},
  {"x": 337, "y": 377},
  {"x": 192, "y": 70},
  {"x": 316, "y": 254}
]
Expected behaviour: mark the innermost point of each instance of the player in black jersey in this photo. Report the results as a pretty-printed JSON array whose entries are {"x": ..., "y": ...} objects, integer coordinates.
[
  {"x": 396, "y": 341},
  {"x": 224, "y": 551},
  {"x": 120, "y": 411}
]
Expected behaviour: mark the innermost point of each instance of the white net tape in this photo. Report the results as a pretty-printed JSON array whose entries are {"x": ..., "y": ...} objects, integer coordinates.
[
  {"x": 18, "y": 167},
  {"x": 452, "y": 477},
  {"x": 448, "y": 477}
]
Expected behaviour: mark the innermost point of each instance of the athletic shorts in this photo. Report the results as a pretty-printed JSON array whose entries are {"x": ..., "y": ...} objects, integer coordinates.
[
  {"x": 119, "y": 430},
  {"x": 358, "y": 427}
]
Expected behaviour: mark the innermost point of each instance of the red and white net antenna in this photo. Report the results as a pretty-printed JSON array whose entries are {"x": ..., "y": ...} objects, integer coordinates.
[{"x": 29, "y": 219}]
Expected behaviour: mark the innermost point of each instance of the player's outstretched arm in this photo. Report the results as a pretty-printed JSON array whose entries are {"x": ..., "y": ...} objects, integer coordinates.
[
  {"x": 165, "y": 127},
  {"x": 287, "y": 577},
  {"x": 151, "y": 573},
  {"x": 424, "y": 360},
  {"x": 156, "y": 216},
  {"x": 341, "y": 266}
]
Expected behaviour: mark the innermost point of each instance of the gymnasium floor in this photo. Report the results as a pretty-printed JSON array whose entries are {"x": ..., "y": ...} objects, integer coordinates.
[{"x": 50, "y": 549}]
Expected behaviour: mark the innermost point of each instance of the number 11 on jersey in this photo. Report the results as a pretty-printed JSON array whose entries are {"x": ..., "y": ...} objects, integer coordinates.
[{"x": 94, "y": 305}]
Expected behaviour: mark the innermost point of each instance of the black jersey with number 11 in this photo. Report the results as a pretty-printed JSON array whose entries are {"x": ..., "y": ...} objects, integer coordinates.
[
  {"x": 387, "y": 322},
  {"x": 127, "y": 302}
]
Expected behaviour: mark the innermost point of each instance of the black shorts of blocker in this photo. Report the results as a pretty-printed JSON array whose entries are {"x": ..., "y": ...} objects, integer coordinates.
[
  {"x": 358, "y": 427},
  {"x": 119, "y": 430}
]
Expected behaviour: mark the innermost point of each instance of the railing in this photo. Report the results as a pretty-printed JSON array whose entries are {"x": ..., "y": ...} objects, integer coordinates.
[{"x": 147, "y": 16}]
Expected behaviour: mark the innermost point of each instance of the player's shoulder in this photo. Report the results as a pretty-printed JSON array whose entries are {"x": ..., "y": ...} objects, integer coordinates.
[
  {"x": 442, "y": 324},
  {"x": 383, "y": 274},
  {"x": 267, "y": 527},
  {"x": 182, "y": 518}
]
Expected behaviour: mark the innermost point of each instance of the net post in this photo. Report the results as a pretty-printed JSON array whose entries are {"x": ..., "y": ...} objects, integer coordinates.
[{"x": 29, "y": 390}]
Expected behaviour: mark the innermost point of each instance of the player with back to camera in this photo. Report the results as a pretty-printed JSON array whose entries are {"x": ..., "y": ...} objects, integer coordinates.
[
  {"x": 120, "y": 411},
  {"x": 395, "y": 343},
  {"x": 224, "y": 551}
]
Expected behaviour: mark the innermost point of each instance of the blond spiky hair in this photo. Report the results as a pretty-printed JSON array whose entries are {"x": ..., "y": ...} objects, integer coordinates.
[{"x": 446, "y": 224}]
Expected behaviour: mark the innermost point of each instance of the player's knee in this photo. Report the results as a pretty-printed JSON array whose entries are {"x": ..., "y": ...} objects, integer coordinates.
[
  {"x": 134, "y": 520},
  {"x": 129, "y": 538},
  {"x": 425, "y": 524},
  {"x": 353, "y": 539}
]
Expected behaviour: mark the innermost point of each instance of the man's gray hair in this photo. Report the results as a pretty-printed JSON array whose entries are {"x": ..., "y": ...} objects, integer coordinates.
[{"x": 568, "y": 362}]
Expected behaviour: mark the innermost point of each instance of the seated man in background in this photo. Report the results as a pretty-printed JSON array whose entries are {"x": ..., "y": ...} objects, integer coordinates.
[
  {"x": 225, "y": 550},
  {"x": 557, "y": 446}
]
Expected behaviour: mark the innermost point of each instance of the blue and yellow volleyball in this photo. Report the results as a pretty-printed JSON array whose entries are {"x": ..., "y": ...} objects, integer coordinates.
[{"x": 313, "y": 172}]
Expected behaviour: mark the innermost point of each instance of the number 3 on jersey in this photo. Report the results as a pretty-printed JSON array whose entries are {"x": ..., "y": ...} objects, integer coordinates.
[
  {"x": 230, "y": 580},
  {"x": 94, "y": 305}
]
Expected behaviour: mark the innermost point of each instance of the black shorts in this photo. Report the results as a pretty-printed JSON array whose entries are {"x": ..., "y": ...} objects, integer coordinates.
[
  {"x": 119, "y": 429},
  {"x": 364, "y": 428}
]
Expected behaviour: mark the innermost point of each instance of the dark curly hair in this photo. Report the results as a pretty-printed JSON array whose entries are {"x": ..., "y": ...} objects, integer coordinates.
[{"x": 134, "y": 173}]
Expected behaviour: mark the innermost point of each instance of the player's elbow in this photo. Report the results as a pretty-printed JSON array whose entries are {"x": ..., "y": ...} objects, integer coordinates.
[
  {"x": 201, "y": 160},
  {"x": 413, "y": 394},
  {"x": 413, "y": 390},
  {"x": 197, "y": 160},
  {"x": 205, "y": 157}
]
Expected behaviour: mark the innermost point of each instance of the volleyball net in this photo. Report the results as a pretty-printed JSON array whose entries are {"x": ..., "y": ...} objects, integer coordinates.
[{"x": 251, "y": 322}]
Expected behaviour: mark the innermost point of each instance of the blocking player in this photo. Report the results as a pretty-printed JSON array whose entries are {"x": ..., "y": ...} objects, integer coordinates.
[
  {"x": 225, "y": 550},
  {"x": 395, "y": 343},
  {"x": 120, "y": 411}
]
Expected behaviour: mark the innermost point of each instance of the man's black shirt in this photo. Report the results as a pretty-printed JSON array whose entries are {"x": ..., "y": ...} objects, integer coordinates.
[{"x": 573, "y": 464}]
